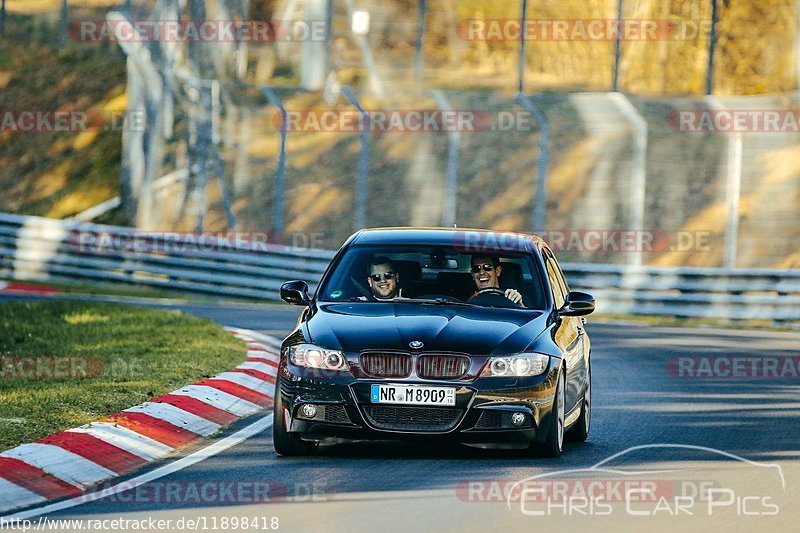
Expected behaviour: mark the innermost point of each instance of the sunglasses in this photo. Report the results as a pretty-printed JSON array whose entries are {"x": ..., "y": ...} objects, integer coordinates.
[
  {"x": 486, "y": 267},
  {"x": 386, "y": 276}
]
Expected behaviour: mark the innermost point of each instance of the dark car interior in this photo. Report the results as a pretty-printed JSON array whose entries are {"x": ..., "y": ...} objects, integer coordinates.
[{"x": 438, "y": 272}]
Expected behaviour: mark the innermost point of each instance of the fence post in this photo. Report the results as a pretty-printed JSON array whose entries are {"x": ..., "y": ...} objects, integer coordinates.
[
  {"x": 219, "y": 167},
  {"x": 453, "y": 147},
  {"x": 2, "y": 17},
  {"x": 712, "y": 45},
  {"x": 522, "y": 50},
  {"x": 419, "y": 61},
  {"x": 797, "y": 45},
  {"x": 64, "y": 23},
  {"x": 638, "y": 170},
  {"x": 328, "y": 37},
  {"x": 280, "y": 176},
  {"x": 617, "y": 47},
  {"x": 199, "y": 120},
  {"x": 363, "y": 160}
]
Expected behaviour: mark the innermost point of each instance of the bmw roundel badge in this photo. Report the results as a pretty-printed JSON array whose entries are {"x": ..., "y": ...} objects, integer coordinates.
[{"x": 416, "y": 344}]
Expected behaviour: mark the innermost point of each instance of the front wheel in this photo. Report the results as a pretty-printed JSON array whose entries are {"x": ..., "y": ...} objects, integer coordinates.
[
  {"x": 287, "y": 443},
  {"x": 554, "y": 444},
  {"x": 580, "y": 431}
]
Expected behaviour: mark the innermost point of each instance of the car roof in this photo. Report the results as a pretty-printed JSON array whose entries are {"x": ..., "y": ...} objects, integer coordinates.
[{"x": 469, "y": 240}]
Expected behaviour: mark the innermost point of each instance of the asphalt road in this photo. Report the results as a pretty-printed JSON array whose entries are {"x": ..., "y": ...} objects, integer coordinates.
[{"x": 747, "y": 479}]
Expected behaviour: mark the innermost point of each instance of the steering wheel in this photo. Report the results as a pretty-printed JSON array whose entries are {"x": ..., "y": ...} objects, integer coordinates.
[
  {"x": 492, "y": 290},
  {"x": 493, "y": 297},
  {"x": 365, "y": 291}
]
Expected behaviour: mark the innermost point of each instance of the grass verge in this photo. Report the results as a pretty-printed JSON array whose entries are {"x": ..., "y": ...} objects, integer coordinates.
[
  {"x": 134, "y": 291},
  {"x": 63, "y": 364}
]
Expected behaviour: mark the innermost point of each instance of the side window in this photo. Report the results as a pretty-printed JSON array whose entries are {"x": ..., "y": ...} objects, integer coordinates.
[
  {"x": 560, "y": 275},
  {"x": 559, "y": 297}
]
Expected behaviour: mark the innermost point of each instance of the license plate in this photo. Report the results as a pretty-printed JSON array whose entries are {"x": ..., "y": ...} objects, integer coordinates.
[{"x": 413, "y": 395}]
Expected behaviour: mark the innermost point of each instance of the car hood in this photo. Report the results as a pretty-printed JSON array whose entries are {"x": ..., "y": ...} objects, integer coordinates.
[{"x": 353, "y": 327}]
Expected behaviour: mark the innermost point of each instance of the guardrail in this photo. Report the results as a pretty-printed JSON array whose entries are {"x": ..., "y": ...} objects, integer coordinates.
[
  {"x": 43, "y": 249},
  {"x": 35, "y": 248},
  {"x": 733, "y": 294}
]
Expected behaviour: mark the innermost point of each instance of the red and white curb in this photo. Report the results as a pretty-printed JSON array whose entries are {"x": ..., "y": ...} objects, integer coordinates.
[
  {"x": 15, "y": 287},
  {"x": 71, "y": 462}
]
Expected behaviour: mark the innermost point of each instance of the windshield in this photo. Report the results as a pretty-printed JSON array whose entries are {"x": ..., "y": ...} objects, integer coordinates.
[{"x": 434, "y": 274}]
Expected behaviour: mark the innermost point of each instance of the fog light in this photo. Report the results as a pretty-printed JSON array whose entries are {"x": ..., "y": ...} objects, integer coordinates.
[
  {"x": 518, "y": 419},
  {"x": 309, "y": 410}
]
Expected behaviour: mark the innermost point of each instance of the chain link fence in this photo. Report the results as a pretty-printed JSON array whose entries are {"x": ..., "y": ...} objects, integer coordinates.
[{"x": 567, "y": 159}]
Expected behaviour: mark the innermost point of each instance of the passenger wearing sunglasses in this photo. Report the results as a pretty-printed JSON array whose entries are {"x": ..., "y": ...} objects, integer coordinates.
[
  {"x": 383, "y": 279},
  {"x": 486, "y": 271}
]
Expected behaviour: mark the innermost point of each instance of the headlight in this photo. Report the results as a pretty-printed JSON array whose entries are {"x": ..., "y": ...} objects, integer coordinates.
[
  {"x": 517, "y": 365},
  {"x": 310, "y": 356}
]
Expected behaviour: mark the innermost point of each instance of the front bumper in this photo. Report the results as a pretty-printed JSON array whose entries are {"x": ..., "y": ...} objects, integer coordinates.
[{"x": 482, "y": 411}]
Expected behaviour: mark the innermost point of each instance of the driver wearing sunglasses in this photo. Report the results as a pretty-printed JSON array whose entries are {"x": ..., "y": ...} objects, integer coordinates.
[
  {"x": 383, "y": 279},
  {"x": 486, "y": 272}
]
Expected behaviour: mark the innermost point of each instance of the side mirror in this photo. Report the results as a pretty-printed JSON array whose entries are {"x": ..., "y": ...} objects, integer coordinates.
[
  {"x": 295, "y": 293},
  {"x": 578, "y": 304}
]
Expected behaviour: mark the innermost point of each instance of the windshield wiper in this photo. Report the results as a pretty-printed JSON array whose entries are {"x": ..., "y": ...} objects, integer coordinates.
[{"x": 433, "y": 301}]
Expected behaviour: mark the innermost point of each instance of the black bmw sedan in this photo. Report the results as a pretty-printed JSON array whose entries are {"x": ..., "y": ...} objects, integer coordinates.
[{"x": 441, "y": 334}]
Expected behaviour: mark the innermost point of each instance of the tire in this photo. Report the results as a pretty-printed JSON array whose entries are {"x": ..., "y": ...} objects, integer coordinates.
[
  {"x": 285, "y": 443},
  {"x": 554, "y": 443},
  {"x": 580, "y": 431}
]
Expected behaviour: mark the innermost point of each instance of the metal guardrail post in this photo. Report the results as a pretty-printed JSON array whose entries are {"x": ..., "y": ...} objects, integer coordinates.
[
  {"x": 450, "y": 205},
  {"x": 363, "y": 160},
  {"x": 539, "y": 218},
  {"x": 313, "y": 67},
  {"x": 733, "y": 190},
  {"x": 639, "y": 167},
  {"x": 375, "y": 82},
  {"x": 140, "y": 151},
  {"x": 280, "y": 175}
]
